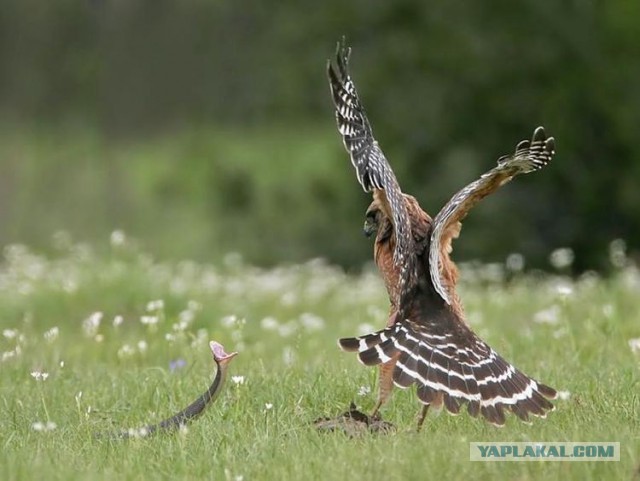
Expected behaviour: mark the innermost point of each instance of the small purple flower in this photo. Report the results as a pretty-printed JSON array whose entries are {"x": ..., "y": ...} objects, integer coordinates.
[{"x": 177, "y": 364}]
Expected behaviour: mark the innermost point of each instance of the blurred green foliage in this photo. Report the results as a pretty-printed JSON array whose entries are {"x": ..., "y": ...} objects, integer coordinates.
[{"x": 206, "y": 126}]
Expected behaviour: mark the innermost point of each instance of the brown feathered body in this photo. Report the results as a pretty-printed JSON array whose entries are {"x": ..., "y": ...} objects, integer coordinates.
[{"x": 383, "y": 249}]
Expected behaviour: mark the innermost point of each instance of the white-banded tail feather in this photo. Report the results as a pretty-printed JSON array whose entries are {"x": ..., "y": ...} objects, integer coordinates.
[{"x": 451, "y": 375}]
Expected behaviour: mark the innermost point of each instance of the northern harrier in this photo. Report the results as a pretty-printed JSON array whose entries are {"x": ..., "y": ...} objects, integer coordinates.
[{"x": 427, "y": 341}]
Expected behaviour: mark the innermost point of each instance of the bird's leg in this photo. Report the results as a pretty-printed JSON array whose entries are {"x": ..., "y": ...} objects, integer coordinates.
[
  {"x": 385, "y": 385},
  {"x": 421, "y": 416},
  {"x": 385, "y": 372}
]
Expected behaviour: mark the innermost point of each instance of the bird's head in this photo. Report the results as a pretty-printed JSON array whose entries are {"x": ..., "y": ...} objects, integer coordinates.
[{"x": 372, "y": 219}]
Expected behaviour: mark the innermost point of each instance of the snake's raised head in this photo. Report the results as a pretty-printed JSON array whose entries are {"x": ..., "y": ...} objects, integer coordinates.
[{"x": 219, "y": 354}]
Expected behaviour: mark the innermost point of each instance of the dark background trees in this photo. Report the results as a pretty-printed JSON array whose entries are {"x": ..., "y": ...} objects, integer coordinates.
[{"x": 202, "y": 127}]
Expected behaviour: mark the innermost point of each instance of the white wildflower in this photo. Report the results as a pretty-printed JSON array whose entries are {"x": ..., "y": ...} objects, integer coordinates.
[
  {"x": 564, "y": 289},
  {"x": 589, "y": 281},
  {"x": 547, "y": 316},
  {"x": 50, "y": 426},
  {"x": 364, "y": 390},
  {"x": 52, "y": 334},
  {"x": 142, "y": 345},
  {"x": 311, "y": 322},
  {"x": 91, "y": 324},
  {"x": 515, "y": 262},
  {"x": 10, "y": 333},
  {"x": 186, "y": 317},
  {"x": 125, "y": 351},
  {"x": 11, "y": 354},
  {"x": 631, "y": 278},
  {"x": 38, "y": 426},
  {"x": 99, "y": 338},
  {"x": 117, "y": 238},
  {"x": 156, "y": 305},
  {"x": 239, "y": 380},
  {"x": 61, "y": 364},
  {"x": 229, "y": 321},
  {"x": 170, "y": 337},
  {"x": 39, "y": 375},
  {"x": 634, "y": 345},
  {"x": 562, "y": 258},
  {"x": 137, "y": 433},
  {"x": 117, "y": 321},
  {"x": 564, "y": 395},
  {"x": 269, "y": 323},
  {"x": 149, "y": 320},
  {"x": 180, "y": 326},
  {"x": 228, "y": 475},
  {"x": 618, "y": 253},
  {"x": 268, "y": 406}
]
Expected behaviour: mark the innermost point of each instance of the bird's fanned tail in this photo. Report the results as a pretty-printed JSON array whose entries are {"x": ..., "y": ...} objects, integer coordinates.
[{"x": 451, "y": 375}]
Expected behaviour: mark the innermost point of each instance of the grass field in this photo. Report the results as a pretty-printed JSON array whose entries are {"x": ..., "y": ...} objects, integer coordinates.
[{"x": 110, "y": 333}]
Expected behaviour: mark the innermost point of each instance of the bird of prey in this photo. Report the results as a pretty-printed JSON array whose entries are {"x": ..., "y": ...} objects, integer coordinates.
[{"x": 426, "y": 341}]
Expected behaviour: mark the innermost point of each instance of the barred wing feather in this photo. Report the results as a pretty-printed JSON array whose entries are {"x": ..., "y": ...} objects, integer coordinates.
[
  {"x": 372, "y": 168},
  {"x": 529, "y": 156}
]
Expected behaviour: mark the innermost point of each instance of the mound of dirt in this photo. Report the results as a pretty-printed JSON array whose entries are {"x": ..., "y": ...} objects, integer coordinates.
[{"x": 354, "y": 423}]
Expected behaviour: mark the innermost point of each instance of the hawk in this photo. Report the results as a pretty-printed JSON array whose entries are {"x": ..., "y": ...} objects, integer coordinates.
[{"x": 426, "y": 341}]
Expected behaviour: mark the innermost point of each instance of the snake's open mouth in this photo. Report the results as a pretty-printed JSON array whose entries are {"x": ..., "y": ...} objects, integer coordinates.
[{"x": 219, "y": 354}]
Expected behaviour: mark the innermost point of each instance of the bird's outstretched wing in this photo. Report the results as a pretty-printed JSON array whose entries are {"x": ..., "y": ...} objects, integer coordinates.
[
  {"x": 372, "y": 168},
  {"x": 529, "y": 156}
]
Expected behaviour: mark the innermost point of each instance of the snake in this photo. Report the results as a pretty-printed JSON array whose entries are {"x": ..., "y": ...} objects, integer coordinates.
[{"x": 193, "y": 410}]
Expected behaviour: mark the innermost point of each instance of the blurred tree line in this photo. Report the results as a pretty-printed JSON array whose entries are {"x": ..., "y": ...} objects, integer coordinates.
[{"x": 204, "y": 126}]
